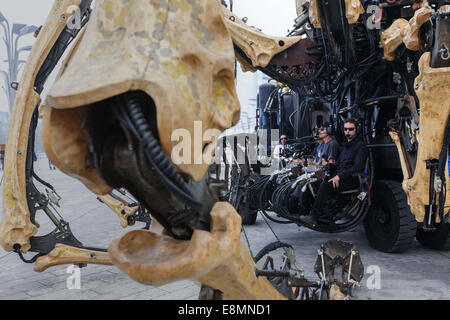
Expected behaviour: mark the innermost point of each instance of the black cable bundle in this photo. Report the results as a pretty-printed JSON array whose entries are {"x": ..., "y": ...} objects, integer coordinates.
[
  {"x": 135, "y": 120},
  {"x": 271, "y": 247},
  {"x": 260, "y": 192},
  {"x": 280, "y": 200},
  {"x": 261, "y": 195}
]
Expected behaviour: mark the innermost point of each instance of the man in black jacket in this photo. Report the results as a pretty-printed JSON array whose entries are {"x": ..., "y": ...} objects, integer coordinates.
[{"x": 351, "y": 161}]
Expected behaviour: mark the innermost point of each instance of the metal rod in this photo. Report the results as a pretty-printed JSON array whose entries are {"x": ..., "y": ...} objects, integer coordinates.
[
  {"x": 350, "y": 266},
  {"x": 382, "y": 98},
  {"x": 52, "y": 217},
  {"x": 381, "y": 145},
  {"x": 272, "y": 273},
  {"x": 323, "y": 264}
]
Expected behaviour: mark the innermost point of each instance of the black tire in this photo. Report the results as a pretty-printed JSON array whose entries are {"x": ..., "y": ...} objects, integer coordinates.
[
  {"x": 438, "y": 239},
  {"x": 390, "y": 226}
]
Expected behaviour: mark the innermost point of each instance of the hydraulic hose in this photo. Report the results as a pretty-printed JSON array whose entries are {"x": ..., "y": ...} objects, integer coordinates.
[
  {"x": 155, "y": 155},
  {"x": 271, "y": 247}
]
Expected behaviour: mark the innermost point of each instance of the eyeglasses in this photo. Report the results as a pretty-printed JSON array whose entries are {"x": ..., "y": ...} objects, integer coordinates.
[
  {"x": 349, "y": 129},
  {"x": 283, "y": 139},
  {"x": 322, "y": 129}
]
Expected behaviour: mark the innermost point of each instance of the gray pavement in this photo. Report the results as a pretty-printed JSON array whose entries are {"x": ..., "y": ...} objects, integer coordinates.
[{"x": 419, "y": 273}]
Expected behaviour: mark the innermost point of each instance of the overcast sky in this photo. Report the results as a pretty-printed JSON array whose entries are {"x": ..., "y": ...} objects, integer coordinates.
[{"x": 274, "y": 17}]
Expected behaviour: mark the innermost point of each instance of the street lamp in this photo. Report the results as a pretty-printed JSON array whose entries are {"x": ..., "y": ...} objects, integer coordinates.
[{"x": 11, "y": 39}]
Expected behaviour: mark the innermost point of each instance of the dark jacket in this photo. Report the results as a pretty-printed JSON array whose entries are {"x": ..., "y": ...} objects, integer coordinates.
[{"x": 352, "y": 158}]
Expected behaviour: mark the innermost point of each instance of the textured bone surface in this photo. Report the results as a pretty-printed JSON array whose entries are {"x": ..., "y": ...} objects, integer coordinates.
[
  {"x": 353, "y": 9},
  {"x": 258, "y": 47},
  {"x": 406, "y": 169},
  {"x": 411, "y": 32},
  {"x": 63, "y": 254},
  {"x": 178, "y": 52},
  {"x": 336, "y": 293},
  {"x": 403, "y": 31},
  {"x": 67, "y": 147},
  {"x": 217, "y": 258},
  {"x": 392, "y": 38},
  {"x": 120, "y": 207},
  {"x": 42, "y": 109},
  {"x": 16, "y": 226},
  {"x": 433, "y": 90},
  {"x": 314, "y": 14},
  {"x": 64, "y": 141}
]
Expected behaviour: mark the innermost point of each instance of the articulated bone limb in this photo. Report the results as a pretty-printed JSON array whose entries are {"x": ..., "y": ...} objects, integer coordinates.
[
  {"x": 411, "y": 33},
  {"x": 353, "y": 9},
  {"x": 120, "y": 207},
  {"x": 433, "y": 90},
  {"x": 403, "y": 31},
  {"x": 217, "y": 258},
  {"x": 392, "y": 38},
  {"x": 63, "y": 254},
  {"x": 313, "y": 11},
  {"x": 406, "y": 169},
  {"x": 16, "y": 227},
  {"x": 314, "y": 14},
  {"x": 257, "y": 46}
]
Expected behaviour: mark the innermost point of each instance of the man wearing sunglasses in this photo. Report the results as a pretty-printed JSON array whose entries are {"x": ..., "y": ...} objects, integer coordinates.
[
  {"x": 351, "y": 161},
  {"x": 330, "y": 148}
]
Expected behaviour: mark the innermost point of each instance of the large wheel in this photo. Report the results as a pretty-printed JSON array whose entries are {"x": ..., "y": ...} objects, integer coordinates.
[
  {"x": 390, "y": 226},
  {"x": 437, "y": 239}
]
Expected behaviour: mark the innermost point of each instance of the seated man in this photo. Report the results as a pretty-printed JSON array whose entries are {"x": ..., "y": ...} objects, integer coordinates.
[
  {"x": 326, "y": 153},
  {"x": 328, "y": 148},
  {"x": 319, "y": 149},
  {"x": 351, "y": 161},
  {"x": 331, "y": 147}
]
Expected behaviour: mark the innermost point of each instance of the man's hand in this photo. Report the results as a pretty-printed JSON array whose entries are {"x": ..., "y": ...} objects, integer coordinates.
[{"x": 335, "y": 181}]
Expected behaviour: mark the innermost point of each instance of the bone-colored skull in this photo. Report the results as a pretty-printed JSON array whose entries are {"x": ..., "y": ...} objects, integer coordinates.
[{"x": 177, "y": 51}]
